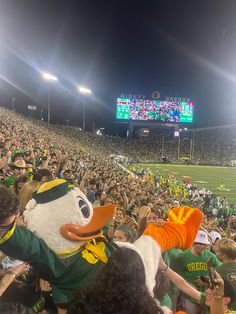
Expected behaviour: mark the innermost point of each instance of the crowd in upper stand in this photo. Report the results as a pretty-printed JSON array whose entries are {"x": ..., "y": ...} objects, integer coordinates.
[{"x": 214, "y": 146}]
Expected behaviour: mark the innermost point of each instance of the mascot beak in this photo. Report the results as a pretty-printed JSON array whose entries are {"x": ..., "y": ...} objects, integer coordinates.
[{"x": 101, "y": 216}]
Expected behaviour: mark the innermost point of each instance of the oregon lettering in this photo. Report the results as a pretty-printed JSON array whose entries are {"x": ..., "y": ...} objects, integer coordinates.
[{"x": 197, "y": 266}]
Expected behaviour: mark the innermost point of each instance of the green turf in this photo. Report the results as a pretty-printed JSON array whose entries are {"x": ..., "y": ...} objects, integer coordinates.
[{"x": 204, "y": 176}]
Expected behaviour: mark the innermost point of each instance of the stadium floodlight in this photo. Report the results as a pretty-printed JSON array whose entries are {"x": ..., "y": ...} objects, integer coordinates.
[
  {"x": 13, "y": 104},
  {"x": 50, "y": 78},
  {"x": 84, "y": 91}
]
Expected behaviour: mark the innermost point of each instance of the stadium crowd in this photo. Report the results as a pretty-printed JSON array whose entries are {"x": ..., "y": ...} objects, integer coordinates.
[
  {"x": 32, "y": 153},
  {"x": 208, "y": 146}
]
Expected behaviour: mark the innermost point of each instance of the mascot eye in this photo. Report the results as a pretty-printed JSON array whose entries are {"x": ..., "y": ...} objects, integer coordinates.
[{"x": 84, "y": 207}]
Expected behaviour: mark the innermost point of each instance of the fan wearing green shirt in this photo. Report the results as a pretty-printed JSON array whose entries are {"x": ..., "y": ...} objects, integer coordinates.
[
  {"x": 191, "y": 265},
  {"x": 19, "y": 168},
  {"x": 225, "y": 250}
]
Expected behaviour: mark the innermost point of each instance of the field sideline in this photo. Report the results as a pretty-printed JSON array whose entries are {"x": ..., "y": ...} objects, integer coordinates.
[{"x": 210, "y": 177}]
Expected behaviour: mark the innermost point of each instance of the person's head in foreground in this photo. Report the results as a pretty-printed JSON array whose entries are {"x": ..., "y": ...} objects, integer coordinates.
[
  {"x": 225, "y": 250},
  {"x": 122, "y": 234},
  {"x": 8, "y": 207},
  {"x": 201, "y": 242},
  {"x": 120, "y": 288}
]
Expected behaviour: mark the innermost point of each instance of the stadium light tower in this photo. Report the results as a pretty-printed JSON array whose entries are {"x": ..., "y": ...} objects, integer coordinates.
[
  {"x": 84, "y": 91},
  {"x": 13, "y": 104},
  {"x": 50, "y": 78}
]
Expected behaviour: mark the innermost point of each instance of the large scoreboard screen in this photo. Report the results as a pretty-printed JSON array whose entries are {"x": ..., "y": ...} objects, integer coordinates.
[{"x": 157, "y": 110}]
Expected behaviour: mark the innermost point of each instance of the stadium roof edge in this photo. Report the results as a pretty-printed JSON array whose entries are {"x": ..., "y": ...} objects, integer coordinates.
[{"x": 212, "y": 127}]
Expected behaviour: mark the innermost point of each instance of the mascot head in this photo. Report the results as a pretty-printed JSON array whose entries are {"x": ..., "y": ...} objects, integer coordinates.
[{"x": 63, "y": 217}]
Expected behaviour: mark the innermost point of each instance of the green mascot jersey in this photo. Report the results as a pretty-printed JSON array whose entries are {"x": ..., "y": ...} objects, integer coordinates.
[{"x": 66, "y": 274}]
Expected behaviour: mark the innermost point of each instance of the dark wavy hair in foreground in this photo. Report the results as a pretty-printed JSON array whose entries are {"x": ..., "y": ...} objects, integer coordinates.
[{"x": 120, "y": 288}]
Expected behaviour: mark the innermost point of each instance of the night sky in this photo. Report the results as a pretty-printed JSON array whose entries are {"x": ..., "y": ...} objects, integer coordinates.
[{"x": 180, "y": 48}]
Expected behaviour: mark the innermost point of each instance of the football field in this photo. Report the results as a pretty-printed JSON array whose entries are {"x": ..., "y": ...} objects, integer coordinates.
[{"x": 220, "y": 180}]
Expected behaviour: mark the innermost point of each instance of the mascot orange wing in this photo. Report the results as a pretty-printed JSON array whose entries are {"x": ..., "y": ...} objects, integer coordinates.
[{"x": 179, "y": 231}]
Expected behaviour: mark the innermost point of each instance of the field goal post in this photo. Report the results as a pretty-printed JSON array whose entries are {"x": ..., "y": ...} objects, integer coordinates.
[{"x": 189, "y": 157}]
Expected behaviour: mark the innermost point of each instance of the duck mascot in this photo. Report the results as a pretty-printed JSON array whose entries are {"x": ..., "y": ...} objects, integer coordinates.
[{"x": 64, "y": 240}]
